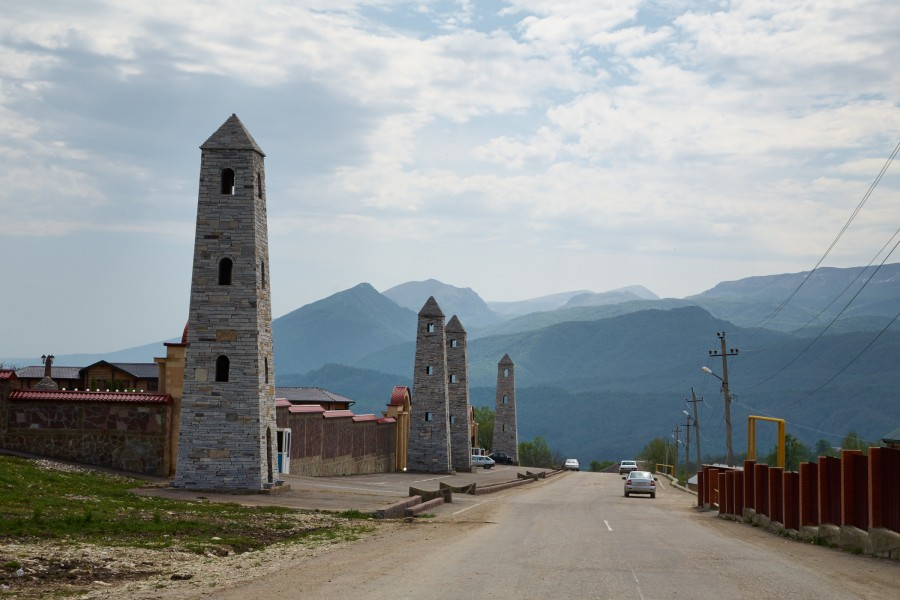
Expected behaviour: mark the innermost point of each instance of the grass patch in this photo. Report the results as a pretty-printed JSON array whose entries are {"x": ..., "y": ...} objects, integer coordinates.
[
  {"x": 98, "y": 508},
  {"x": 355, "y": 514}
]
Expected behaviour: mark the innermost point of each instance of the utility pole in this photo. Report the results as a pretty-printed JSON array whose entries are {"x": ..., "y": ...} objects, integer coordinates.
[
  {"x": 687, "y": 447},
  {"x": 729, "y": 457},
  {"x": 694, "y": 401},
  {"x": 675, "y": 432}
]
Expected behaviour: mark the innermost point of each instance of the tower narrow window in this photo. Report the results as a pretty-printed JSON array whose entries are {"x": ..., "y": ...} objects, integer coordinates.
[
  {"x": 505, "y": 399},
  {"x": 430, "y": 328},
  {"x": 262, "y": 274},
  {"x": 225, "y": 271},
  {"x": 259, "y": 184},
  {"x": 506, "y": 372},
  {"x": 228, "y": 182},
  {"x": 453, "y": 378},
  {"x": 452, "y": 419},
  {"x": 429, "y": 370},
  {"x": 267, "y": 368},
  {"x": 429, "y": 416},
  {"x": 454, "y": 343},
  {"x": 222, "y": 365}
]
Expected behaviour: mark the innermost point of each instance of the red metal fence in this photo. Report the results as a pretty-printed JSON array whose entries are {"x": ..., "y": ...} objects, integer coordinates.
[{"x": 857, "y": 490}]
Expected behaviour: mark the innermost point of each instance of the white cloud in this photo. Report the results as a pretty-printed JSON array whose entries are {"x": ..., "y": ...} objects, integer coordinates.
[{"x": 627, "y": 140}]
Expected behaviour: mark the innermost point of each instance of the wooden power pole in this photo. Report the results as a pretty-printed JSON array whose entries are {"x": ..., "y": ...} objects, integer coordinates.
[
  {"x": 729, "y": 458},
  {"x": 694, "y": 401}
]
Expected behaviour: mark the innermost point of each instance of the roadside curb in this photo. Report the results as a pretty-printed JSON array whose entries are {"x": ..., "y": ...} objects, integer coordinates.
[{"x": 423, "y": 500}]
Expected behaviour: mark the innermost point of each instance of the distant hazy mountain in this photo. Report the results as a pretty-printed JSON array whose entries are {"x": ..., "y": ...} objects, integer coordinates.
[
  {"x": 601, "y": 389},
  {"x": 875, "y": 292},
  {"x": 600, "y": 379},
  {"x": 635, "y": 292},
  {"x": 542, "y": 304},
  {"x": 462, "y": 302},
  {"x": 138, "y": 354},
  {"x": 339, "y": 329}
]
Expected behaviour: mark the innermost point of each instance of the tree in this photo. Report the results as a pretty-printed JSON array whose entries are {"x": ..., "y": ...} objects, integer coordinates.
[
  {"x": 484, "y": 416},
  {"x": 536, "y": 454},
  {"x": 655, "y": 453},
  {"x": 795, "y": 452},
  {"x": 599, "y": 465},
  {"x": 852, "y": 441},
  {"x": 824, "y": 448}
]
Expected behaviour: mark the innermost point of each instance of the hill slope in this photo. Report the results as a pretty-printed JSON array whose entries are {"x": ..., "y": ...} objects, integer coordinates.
[{"x": 339, "y": 329}]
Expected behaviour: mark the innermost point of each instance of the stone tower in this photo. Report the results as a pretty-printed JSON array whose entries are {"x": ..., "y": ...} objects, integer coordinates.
[
  {"x": 458, "y": 389},
  {"x": 506, "y": 439},
  {"x": 227, "y": 435},
  {"x": 429, "y": 418}
]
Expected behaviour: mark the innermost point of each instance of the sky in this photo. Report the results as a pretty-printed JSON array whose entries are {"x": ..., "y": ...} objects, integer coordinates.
[{"x": 520, "y": 148}]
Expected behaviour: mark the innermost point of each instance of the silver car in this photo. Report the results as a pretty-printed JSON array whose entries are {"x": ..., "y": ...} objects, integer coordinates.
[{"x": 640, "y": 482}]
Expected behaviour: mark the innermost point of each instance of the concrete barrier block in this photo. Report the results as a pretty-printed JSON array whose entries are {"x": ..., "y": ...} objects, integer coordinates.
[
  {"x": 853, "y": 538},
  {"x": 420, "y": 508},
  {"x": 830, "y": 534},
  {"x": 883, "y": 543}
]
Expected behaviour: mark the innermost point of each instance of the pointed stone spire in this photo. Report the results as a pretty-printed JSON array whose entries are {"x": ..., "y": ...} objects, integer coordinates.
[
  {"x": 429, "y": 428},
  {"x": 458, "y": 392},
  {"x": 506, "y": 438},
  {"x": 232, "y": 135}
]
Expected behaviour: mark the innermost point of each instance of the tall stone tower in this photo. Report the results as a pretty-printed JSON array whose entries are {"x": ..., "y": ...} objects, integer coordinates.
[
  {"x": 506, "y": 439},
  {"x": 429, "y": 417},
  {"x": 227, "y": 435},
  {"x": 458, "y": 389}
]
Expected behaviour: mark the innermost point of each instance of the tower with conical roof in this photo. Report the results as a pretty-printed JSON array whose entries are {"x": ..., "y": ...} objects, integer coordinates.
[
  {"x": 227, "y": 436},
  {"x": 506, "y": 439},
  {"x": 458, "y": 392},
  {"x": 429, "y": 418}
]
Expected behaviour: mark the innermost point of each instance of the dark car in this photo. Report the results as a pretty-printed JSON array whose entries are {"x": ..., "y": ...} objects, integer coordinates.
[{"x": 503, "y": 459}]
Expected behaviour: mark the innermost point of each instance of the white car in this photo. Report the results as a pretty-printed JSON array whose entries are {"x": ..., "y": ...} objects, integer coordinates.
[
  {"x": 571, "y": 465},
  {"x": 482, "y": 461},
  {"x": 640, "y": 482},
  {"x": 627, "y": 466}
]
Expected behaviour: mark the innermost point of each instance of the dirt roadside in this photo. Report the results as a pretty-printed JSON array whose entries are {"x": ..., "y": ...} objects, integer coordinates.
[{"x": 132, "y": 573}]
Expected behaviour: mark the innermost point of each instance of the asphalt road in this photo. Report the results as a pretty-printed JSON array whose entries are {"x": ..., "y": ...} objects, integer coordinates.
[{"x": 576, "y": 536}]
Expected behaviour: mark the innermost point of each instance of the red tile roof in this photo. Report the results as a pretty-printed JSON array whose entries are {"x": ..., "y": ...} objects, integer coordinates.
[
  {"x": 33, "y": 395},
  {"x": 335, "y": 414},
  {"x": 306, "y": 408},
  {"x": 383, "y": 420},
  {"x": 360, "y": 418},
  {"x": 398, "y": 395},
  {"x": 280, "y": 402}
]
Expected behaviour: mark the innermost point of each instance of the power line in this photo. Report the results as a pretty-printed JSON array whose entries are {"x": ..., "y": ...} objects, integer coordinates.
[
  {"x": 837, "y": 316},
  {"x": 837, "y": 238}
]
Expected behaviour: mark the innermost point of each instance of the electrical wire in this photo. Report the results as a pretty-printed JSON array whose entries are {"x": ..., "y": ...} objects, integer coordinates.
[
  {"x": 765, "y": 321},
  {"x": 837, "y": 316}
]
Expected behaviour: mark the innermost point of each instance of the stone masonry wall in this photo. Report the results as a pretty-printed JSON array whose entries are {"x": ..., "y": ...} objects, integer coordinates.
[
  {"x": 458, "y": 390},
  {"x": 118, "y": 436},
  {"x": 429, "y": 427},
  {"x": 506, "y": 438},
  {"x": 227, "y": 434}
]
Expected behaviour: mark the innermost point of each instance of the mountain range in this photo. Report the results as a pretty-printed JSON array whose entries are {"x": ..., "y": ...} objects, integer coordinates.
[{"x": 600, "y": 374}]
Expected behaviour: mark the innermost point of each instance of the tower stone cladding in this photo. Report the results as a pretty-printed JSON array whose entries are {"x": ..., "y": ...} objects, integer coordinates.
[
  {"x": 506, "y": 439},
  {"x": 429, "y": 417},
  {"x": 458, "y": 390},
  {"x": 227, "y": 436}
]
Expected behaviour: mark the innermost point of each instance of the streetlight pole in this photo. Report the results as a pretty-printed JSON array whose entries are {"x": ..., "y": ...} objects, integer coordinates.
[
  {"x": 694, "y": 401},
  {"x": 729, "y": 457},
  {"x": 687, "y": 447}
]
